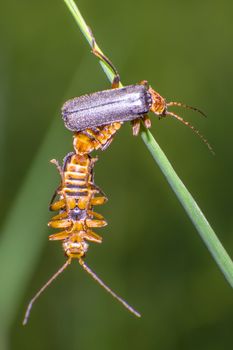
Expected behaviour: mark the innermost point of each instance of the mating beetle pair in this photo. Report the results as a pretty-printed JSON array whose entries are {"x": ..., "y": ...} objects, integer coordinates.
[
  {"x": 94, "y": 119},
  {"x": 130, "y": 103}
]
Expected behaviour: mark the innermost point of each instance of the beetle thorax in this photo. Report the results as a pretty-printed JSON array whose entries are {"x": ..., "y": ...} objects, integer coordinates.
[{"x": 158, "y": 103}]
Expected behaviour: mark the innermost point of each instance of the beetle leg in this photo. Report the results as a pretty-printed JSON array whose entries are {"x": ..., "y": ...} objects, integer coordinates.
[
  {"x": 59, "y": 168},
  {"x": 105, "y": 146},
  {"x": 146, "y": 121},
  {"x": 89, "y": 133},
  {"x": 144, "y": 82},
  {"x": 98, "y": 53},
  {"x": 116, "y": 82},
  {"x": 60, "y": 204},
  {"x": 97, "y": 189},
  {"x": 66, "y": 223},
  {"x": 66, "y": 159},
  {"x": 54, "y": 196},
  {"x": 136, "y": 124},
  {"x": 61, "y": 216},
  {"x": 95, "y": 223},
  {"x": 98, "y": 200},
  {"x": 92, "y": 236},
  {"x": 61, "y": 172},
  {"x": 59, "y": 236}
]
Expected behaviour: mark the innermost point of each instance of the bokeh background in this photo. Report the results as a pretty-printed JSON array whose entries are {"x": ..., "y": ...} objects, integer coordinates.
[{"x": 151, "y": 254}]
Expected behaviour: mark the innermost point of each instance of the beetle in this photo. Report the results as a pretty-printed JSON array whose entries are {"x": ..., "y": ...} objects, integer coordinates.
[
  {"x": 120, "y": 104},
  {"x": 78, "y": 194}
]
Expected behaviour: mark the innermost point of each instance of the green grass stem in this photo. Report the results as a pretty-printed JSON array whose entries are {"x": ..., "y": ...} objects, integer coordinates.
[{"x": 25, "y": 229}]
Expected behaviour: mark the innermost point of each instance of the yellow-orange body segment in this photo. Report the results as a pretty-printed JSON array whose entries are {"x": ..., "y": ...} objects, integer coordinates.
[
  {"x": 77, "y": 197},
  {"x": 93, "y": 139}
]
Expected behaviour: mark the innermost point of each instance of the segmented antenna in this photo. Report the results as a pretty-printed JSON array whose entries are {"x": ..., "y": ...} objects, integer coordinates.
[
  {"x": 190, "y": 125},
  {"x": 179, "y": 104},
  {"x": 27, "y": 313},
  {"x": 97, "y": 279},
  {"x": 93, "y": 275}
]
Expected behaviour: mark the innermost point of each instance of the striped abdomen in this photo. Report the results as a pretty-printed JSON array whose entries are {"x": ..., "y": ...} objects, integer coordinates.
[
  {"x": 77, "y": 198},
  {"x": 95, "y": 138},
  {"x": 78, "y": 177}
]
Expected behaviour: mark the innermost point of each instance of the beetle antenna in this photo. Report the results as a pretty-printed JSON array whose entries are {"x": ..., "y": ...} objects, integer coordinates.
[
  {"x": 179, "y": 104},
  {"x": 97, "y": 279},
  {"x": 191, "y": 127},
  {"x": 27, "y": 313}
]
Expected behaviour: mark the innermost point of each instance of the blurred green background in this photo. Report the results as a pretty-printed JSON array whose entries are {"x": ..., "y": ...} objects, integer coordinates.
[{"x": 151, "y": 254}]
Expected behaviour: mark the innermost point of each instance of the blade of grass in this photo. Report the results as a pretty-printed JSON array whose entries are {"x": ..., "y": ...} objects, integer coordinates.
[
  {"x": 192, "y": 209},
  {"x": 194, "y": 212}
]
